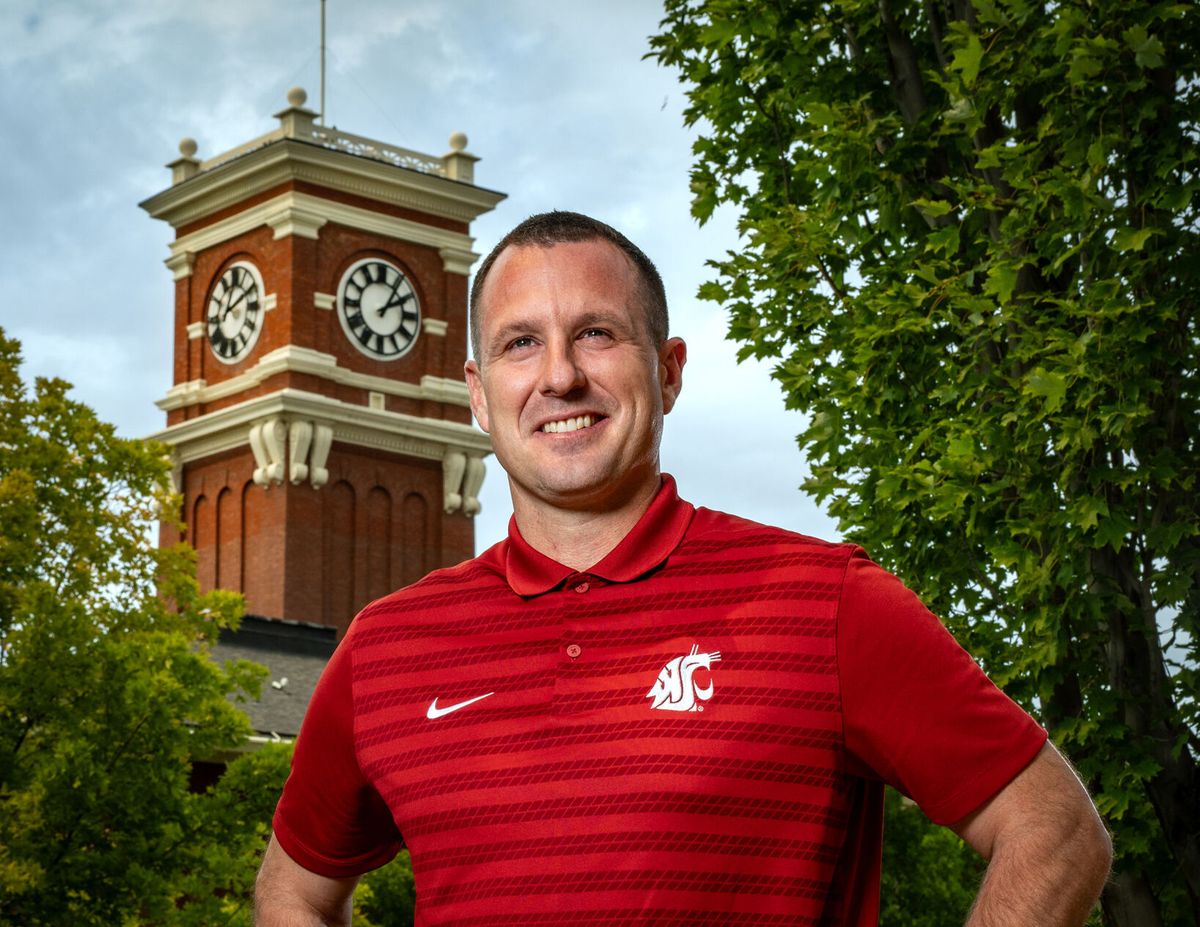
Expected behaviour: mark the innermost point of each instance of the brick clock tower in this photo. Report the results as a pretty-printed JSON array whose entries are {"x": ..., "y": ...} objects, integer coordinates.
[{"x": 318, "y": 420}]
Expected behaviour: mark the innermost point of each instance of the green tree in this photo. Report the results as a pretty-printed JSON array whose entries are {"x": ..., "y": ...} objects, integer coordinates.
[
  {"x": 107, "y": 690},
  {"x": 387, "y": 896},
  {"x": 930, "y": 877},
  {"x": 971, "y": 248}
]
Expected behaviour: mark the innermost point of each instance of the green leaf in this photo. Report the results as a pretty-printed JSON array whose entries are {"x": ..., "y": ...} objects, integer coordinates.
[
  {"x": 1130, "y": 239},
  {"x": 1083, "y": 67},
  {"x": 1148, "y": 50},
  {"x": 934, "y": 209},
  {"x": 1086, "y": 511},
  {"x": 1049, "y": 385},
  {"x": 1001, "y": 281},
  {"x": 967, "y": 59}
]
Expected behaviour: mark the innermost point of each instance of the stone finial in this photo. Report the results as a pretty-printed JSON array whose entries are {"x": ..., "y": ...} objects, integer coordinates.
[
  {"x": 296, "y": 121},
  {"x": 458, "y": 163},
  {"x": 185, "y": 165}
]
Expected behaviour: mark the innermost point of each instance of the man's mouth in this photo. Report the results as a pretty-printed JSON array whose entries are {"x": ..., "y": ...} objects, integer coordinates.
[{"x": 570, "y": 424}]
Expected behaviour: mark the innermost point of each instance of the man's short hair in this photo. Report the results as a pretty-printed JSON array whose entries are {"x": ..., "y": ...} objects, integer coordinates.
[{"x": 547, "y": 229}]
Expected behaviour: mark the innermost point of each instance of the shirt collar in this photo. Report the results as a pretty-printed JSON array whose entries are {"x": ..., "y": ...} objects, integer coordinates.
[{"x": 648, "y": 544}]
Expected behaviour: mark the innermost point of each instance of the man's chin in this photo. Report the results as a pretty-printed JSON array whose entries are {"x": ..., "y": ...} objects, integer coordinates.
[{"x": 584, "y": 491}]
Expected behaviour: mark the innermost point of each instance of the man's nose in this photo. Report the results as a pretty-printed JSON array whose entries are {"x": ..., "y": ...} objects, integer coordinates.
[{"x": 561, "y": 371}]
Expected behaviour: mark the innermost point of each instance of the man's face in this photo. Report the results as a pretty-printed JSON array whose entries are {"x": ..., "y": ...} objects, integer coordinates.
[{"x": 568, "y": 382}]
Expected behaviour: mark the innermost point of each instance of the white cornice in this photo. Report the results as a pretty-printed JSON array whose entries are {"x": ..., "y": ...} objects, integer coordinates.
[
  {"x": 180, "y": 263},
  {"x": 293, "y": 220},
  {"x": 303, "y": 213},
  {"x": 293, "y": 359},
  {"x": 228, "y": 429},
  {"x": 286, "y": 160}
]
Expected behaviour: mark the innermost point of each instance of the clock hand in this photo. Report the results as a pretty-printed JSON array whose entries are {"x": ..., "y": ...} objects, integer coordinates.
[
  {"x": 395, "y": 301},
  {"x": 232, "y": 305}
]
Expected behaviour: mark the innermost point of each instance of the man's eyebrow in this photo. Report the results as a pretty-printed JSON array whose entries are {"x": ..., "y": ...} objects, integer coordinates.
[
  {"x": 511, "y": 330},
  {"x": 603, "y": 318}
]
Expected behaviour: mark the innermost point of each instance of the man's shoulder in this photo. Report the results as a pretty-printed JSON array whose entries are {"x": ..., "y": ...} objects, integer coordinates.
[
  {"x": 716, "y": 530},
  {"x": 440, "y": 589}
]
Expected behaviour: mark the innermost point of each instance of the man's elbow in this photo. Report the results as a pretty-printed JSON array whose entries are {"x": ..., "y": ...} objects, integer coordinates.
[
  {"x": 1082, "y": 846},
  {"x": 1092, "y": 846}
]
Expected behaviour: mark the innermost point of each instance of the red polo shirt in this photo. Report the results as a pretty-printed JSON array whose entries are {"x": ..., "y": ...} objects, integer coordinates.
[{"x": 695, "y": 731}]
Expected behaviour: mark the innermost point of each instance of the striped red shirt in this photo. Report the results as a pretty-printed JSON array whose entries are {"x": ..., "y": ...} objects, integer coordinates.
[{"x": 695, "y": 731}]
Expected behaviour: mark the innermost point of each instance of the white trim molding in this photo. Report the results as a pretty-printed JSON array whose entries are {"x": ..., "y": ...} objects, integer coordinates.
[
  {"x": 293, "y": 359},
  {"x": 301, "y": 213},
  {"x": 435, "y": 327},
  {"x": 275, "y": 162},
  {"x": 272, "y": 415},
  {"x": 296, "y": 220},
  {"x": 181, "y": 263}
]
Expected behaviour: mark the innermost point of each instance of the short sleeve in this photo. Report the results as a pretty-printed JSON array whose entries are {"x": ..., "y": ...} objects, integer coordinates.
[
  {"x": 917, "y": 710},
  {"x": 330, "y": 819}
]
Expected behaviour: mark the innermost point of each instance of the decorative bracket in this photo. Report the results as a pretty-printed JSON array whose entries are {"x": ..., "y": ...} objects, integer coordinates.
[
  {"x": 270, "y": 439},
  {"x": 462, "y": 478},
  {"x": 472, "y": 484},
  {"x": 299, "y": 438},
  {"x": 267, "y": 440},
  {"x": 322, "y": 439}
]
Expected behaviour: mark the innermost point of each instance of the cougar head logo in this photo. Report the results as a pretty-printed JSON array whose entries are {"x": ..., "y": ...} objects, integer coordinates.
[{"x": 674, "y": 689}]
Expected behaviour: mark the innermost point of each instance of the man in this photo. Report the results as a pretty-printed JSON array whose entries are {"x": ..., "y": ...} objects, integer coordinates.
[{"x": 636, "y": 712}]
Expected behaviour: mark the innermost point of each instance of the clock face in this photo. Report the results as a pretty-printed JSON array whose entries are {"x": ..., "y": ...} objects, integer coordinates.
[
  {"x": 378, "y": 309},
  {"x": 234, "y": 316}
]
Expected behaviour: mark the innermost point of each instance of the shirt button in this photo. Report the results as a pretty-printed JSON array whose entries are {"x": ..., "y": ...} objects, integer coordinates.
[
  {"x": 582, "y": 587},
  {"x": 574, "y": 650}
]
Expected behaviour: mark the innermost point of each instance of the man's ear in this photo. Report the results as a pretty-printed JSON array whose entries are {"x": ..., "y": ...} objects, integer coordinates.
[
  {"x": 672, "y": 355},
  {"x": 478, "y": 396}
]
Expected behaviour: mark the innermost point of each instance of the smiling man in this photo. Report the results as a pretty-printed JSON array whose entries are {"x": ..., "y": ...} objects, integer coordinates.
[{"x": 634, "y": 711}]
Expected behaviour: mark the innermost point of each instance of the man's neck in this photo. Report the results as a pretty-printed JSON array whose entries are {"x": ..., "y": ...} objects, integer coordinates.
[{"x": 579, "y": 538}]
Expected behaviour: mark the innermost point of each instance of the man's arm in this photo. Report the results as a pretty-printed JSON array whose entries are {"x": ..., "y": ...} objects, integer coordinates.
[
  {"x": 288, "y": 895},
  {"x": 1047, "y": 850}
]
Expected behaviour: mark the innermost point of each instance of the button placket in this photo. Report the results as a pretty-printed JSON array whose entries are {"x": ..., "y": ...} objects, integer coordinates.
[{"x": 575, "y": 627}]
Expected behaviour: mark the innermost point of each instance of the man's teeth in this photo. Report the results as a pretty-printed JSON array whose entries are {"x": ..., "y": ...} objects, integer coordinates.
[{"x": 570, "y": 424}]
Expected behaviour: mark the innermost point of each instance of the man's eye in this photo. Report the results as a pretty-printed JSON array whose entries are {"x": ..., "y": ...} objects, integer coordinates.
[
  {"x": 523, "y": 342},
  {"x": 594, "y": 333}
]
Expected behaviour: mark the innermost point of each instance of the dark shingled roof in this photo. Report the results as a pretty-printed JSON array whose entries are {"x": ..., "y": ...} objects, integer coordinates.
[{"x": 294, "y": 653}]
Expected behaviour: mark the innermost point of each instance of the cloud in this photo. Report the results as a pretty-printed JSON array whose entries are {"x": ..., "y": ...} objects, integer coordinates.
[{"x": 556, "y": 99}]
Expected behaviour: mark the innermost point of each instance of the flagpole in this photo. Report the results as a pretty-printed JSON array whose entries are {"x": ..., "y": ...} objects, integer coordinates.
[{"x": 322, "y": 62}]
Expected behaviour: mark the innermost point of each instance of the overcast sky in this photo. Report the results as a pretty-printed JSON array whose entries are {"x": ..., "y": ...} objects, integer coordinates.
[{"x": 554, "y": 97}]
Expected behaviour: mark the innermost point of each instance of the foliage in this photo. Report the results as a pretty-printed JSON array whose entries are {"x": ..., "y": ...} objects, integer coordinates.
[
  {"x": 107, "y": 691},
  {"x": 219, "y": 855},
  {"x": 971, "y": 249},
  {"x": 386, "y": 897},
  {"x": 930, "y": 877}
]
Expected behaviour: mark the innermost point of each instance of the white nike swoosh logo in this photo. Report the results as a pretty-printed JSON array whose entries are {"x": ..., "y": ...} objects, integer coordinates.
[{"x": 434, "y": 712}]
